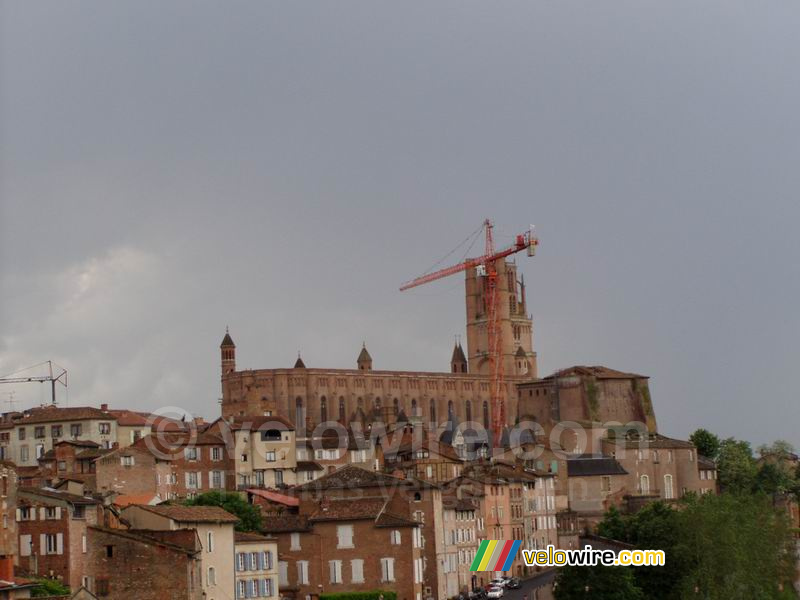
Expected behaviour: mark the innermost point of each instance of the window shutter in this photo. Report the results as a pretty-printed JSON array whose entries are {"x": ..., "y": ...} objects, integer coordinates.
[
  {"x": 25, "y": 545},
  {"x": 199, "y": 480},
  {"x": 58, "y": 512},
  {"x": 59, "y": 543},
  {"x": 19, "y": 515},
  {"x": 390, "y": 568},
  {"x": 239, "y": 562},
  {"x": 41, "y": 513},
  {"x": 222, "y": 479},
  {"x": 332, "y": 565},
  {"x": 42, "y": 543},
  {"x": 238, "y": 590},
  {"x": 262, "y": 561},
  {"x": 187, "y": 481},
  {"x": 263, "y": 584}
]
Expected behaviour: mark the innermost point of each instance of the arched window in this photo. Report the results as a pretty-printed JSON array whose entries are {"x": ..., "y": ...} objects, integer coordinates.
[
  {"x": 323, "y": 409},
  {"x": 668, "y": 490},
  {"x": 342, "y": 416},
  {"x": 433, "y": 410},
  {"x": 396, "y": 406},
  {"x": 486, "y": 414},
  {"x": 414, "y": 407},
  {"x": 360, "y": 403},
  {"x": 469, "y": 410},
  {"x": 449, "y": 409},
  {"x": 299, "y": 416},
  {"x": 377, "y": 403},
  {"x": 644, "y": 485}
]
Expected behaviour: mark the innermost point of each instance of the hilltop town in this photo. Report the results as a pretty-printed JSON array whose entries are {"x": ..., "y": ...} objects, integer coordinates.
[{"x": 359, "y": 479}]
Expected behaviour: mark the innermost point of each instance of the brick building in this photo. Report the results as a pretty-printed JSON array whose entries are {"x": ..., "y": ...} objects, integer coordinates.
[
  {"x": 213, "y": 526},
  {"x": 309, "y": 396},
  {"x": 338, "y": 545},
  {"x": 411, "y": 498},
  {"x": 145, "y": 565},
  {"x": 52, "y": 529}
]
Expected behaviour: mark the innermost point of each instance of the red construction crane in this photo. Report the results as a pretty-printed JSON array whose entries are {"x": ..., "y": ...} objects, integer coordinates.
[{"x": 485, "y": 266}]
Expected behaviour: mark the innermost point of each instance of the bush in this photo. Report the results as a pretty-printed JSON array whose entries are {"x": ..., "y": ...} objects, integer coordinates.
[
  {"x": 373, "y": 595},
  {"x": 49, "y": 587}
]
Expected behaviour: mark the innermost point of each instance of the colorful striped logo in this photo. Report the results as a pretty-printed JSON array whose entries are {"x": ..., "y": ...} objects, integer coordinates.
[{"x": 495, "y": 555}]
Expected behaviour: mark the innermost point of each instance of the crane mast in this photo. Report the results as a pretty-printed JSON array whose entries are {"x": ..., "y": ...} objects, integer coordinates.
[
  {"x": 486, "y": 268},
  {"x": 55, "y": 374}
]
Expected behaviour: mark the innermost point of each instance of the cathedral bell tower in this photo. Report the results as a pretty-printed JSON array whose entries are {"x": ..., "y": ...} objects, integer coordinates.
[
  {"x": 515, "y": 324},
  {"x": 228, "y": 354}
]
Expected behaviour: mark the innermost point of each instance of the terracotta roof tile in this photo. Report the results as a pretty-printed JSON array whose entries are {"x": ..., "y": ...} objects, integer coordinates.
[
  {"x": 285, "y": 523},
  {"x": 191, "y": 514},
  {"x": 50, "y": 414}
]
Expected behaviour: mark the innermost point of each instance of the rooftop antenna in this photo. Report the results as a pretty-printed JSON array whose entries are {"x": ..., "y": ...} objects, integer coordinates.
[{"x": 11, "y": 402}]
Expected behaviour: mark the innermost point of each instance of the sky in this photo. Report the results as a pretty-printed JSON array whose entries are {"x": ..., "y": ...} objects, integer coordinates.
[{"x": 169, "y": 168}]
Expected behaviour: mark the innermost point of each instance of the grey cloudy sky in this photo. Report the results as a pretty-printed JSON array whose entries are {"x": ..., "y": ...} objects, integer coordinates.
[{"x": 169, "y": 168}]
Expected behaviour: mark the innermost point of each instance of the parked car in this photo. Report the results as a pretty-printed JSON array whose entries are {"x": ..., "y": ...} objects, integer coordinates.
[
  {"x": 478, "y": 594},
  {"x": 495, "y": 591},
  {"x": 499, "y": 582},
  {"x": 513, "y": 584}
]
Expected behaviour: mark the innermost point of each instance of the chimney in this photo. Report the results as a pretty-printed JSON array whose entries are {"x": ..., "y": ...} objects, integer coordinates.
[
  {"x": 6, "y": 568},
  {"x": 104, "y": 407}
]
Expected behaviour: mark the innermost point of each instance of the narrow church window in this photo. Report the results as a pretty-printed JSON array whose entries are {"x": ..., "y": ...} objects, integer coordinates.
[
  {"x": 486, "y": 414},
  {"x": 323, "y": 409},
  {"x": 433, "y": 410},
  {"x": 341, "y": 409},
  {"x": 469, "y": 410}
]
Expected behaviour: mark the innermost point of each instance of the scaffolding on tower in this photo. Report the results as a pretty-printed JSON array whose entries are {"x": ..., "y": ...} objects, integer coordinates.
[{"x": 486, "y": 268}]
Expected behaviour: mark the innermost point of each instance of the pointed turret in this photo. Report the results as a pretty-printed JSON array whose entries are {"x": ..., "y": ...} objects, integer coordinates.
[
  {"x": 227, "y": 350},
  {"x": 299, "y": 364},
  {"x": 364, "y": 360},
  {"x": 458, "y": 362}
]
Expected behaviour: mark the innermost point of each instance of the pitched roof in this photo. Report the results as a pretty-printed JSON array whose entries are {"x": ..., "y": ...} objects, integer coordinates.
[
  {"x": 55, "y": 495},
  {"x": 364, "y": 356},
  {"x": 242, "y": 537},
  {"x": 191, "y": 514},
  {"x": 129, "y": 418},
  {"x": 352, "y": 477},
  {"x": 51, "y": 414},
  {"x": 299, "y": 364},
  {"x": 597, "y": 371},
  {"x": 172, "y": 540},
  {"x": 344, "y": 509},
  {"x": 274, "y": 496},
  {"x": 81, "y": 443},
  {"x": 591, "y": 466},
  {"x": 458, "y": 355},
  {"x": 227, "y": 341},
  {"x": 653, "y": 440},
  {"x": 285, "y": 523}
]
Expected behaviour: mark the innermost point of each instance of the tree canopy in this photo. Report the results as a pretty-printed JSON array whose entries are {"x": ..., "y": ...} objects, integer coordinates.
[
  {"x": 707, "y": 443},
  {"x": 249, "y": 515}
]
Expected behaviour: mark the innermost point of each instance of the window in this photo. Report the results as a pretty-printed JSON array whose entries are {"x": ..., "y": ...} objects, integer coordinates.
[
  {"x": 23, "y": 453},
  {"x": 668, "y": 491},
  {"x": 302, "y": 572},
  {"x": 101, "y": 587},
  {"x": 75, "y": 430},
  {"x": 387, "y": 569},
  {"x": 644, "y": 484},
  {"x": 38, "y": 432},
  {"x": 345, "y": 536},
  {"x": 357, "y": 570},
  {"x": 336, "y": 571},
  {"x": 56, "y": 431},
  {"x": 211, "y": 578},
  {"x": 62, "y": 465},
  {"x": 21, "y": 433},
  {"x": 216, "y": 454},
  {"x": 278, "y": 477},
  {"x": 126, "y": 461},
  {"x": 241, "y": 589},
  {"x": 39, "y": 451},
  {"x": 192, "y": 480},
  {"x": 109, "y": 551},
  {"x": 395, "y": 537},
  {"x": 240, "y": 561},
  {"x": 210, "y": 541},
  {"x": 191, "y": 453},
  {"x": 605, "y": 483},
  {"x": 270, "y": 456},
  {"x": 267, "y": 560},
  {"x": 83, "y": 543},
  {"x": 52, "y": 545},
  {"x": 266, "y": 587},
  {"x": 105, "y": 428},
  {"x": 216, "y": 480},
  {"x": 295, "y": 541},
  {"x": 691, "y": 455},
  {"x": 52, "y": 512}
]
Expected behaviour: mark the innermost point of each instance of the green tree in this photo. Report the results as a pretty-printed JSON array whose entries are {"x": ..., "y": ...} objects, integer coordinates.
[
  {"x": 738, "y": 547},
  {"x": 49, "y": 587},
  {"x": 614, "y": 525},
  {"x": 249, "y": 515},
  {"x": 608, "y": 583},
  {"x": 736, "y": 466},
  {"x": 707, "y": 443}
]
